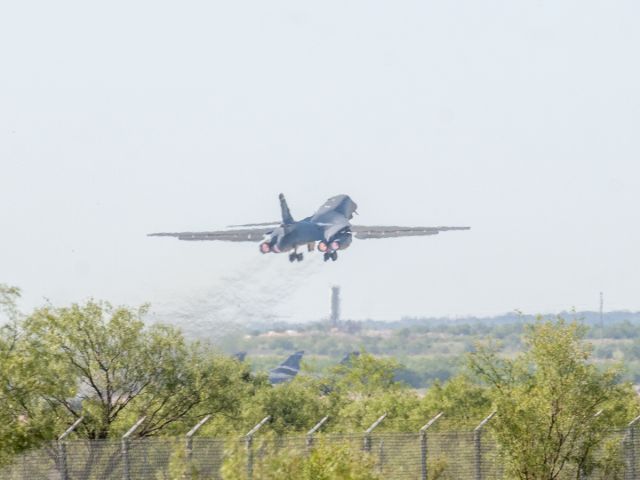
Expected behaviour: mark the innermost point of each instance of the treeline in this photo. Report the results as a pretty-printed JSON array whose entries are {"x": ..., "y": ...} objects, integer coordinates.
[
  {"x": 555, "y": 407},
  {"x": 427, "y": 352}
]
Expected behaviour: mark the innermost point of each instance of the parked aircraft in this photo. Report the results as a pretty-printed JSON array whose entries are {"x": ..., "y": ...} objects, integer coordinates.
[
  {"x": 328, "y": 230},
  {"x": 287, "y": 370},
  {"x": 240, "y": 356},
  {"x": 349, "y": 358}
]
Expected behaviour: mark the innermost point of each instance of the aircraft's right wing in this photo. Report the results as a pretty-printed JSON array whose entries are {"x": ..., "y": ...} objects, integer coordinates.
[
  {"x": 236, "y": 235},
  {"x": 365, "y": 232}
]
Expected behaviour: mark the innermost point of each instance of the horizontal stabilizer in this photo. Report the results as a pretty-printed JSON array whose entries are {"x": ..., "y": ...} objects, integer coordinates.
[{"x": 263, "y": 224}]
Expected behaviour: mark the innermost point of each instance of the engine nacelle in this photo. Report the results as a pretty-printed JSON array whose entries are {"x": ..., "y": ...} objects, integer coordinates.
[
  {"x": 265, "y": 247},
  {"x": 341, "y": 241}
]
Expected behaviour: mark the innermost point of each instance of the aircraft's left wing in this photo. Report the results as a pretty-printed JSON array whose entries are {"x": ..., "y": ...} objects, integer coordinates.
[
  {"x": 365, "y": 232},
  {"x": 237, "y": 235}
]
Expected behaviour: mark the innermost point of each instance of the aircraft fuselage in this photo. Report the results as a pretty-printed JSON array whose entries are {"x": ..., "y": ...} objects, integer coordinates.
[
  {"x": 297, "y": 234},
  {"x": 329, "y": 226}
]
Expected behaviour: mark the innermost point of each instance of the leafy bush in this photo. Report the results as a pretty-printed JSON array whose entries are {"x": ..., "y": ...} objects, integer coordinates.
[{"x": 323, "y": 462}]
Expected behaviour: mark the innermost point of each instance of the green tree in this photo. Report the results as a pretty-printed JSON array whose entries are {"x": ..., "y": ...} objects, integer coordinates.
[
  {"x": 401, "y": 405},
  {"x": 364, "y": 388},
  {"x": 324, "y": 462},
  {"x": 8, "y": 303},
  {"x": 25, "y": 419},
  {"x": 463, "y": 402},
  {"x": 294, "y": 407},
  {"x": 555, "y": 407},
  {"x": 105, "y": 364},
  {"x": 364, "y": 375}
]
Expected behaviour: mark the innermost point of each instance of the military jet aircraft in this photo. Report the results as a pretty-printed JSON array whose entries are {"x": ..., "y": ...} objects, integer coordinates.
[{"x": 330, "y": 228}]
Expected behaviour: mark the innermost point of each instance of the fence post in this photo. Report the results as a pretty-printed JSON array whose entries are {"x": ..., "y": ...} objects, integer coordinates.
[
  {"x": 248, "y": 438},
  {"x": 312, "y": 432},
  {"x": 630, "y": 449},
  {"x": 126, "y": 468},
  {"x": 477, "y": 442},
  {"x": 367, "y": 434},
  {"x": 423, "y": 445},
  {"x": 62, "y": 450},
  {"x": 381, "y": 456},
  {"x": 189, "y": 446}
]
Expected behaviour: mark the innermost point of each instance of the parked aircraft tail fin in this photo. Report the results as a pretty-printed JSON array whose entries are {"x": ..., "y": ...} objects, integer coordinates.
[
  {"x": 286, "y": 214},
  {"x": 287, "y": 370},
  {"x": 293, "y": 361}
]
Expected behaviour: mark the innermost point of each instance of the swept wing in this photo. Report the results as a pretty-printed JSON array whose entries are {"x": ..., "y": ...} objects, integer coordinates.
[
  {"x": 235, "y": 235},
  {"x": 363, "y": 232}
]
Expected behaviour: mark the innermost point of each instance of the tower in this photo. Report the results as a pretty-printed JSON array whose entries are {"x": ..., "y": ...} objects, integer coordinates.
[
  {"x": 602, "y": 314},
  {"x": 335, "y": 306}
]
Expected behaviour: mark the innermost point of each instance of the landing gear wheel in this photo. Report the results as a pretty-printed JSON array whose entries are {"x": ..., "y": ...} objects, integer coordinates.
[
  {"x": 334, "y": 256},
  {"x": 327, "y": 256},
  {"x": 294, "y": 256}
]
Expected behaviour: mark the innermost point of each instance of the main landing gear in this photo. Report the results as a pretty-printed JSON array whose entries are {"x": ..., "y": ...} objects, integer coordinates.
[
  {"x": 331, "y": 255},
  {"x": 295, "y": 256}
]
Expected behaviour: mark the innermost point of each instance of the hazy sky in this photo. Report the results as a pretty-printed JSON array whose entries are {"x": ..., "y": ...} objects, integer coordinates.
[{"x": 520, "y": 119}]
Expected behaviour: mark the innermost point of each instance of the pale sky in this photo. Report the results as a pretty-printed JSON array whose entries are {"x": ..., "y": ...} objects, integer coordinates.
[{"x": 519, "y": 119}]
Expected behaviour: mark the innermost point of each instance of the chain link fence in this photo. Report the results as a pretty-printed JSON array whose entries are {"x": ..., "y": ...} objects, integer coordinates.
[{"x": 423, "y": 456}]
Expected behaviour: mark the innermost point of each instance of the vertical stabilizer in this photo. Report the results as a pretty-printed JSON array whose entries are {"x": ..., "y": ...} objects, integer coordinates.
[
  {"x": 293, "y": 361},
  {"x": 287, "y": 370},
  {"x": 286, "y": 214}
]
